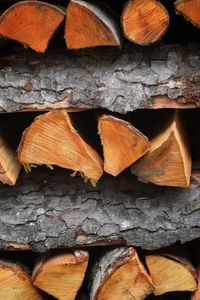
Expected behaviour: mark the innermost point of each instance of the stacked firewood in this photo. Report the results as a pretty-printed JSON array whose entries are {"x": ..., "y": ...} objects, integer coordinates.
[
  {"x": 101, "y": 273},
  {"x": 91, "y": 23},
  {"x": 93, "y": 142}
]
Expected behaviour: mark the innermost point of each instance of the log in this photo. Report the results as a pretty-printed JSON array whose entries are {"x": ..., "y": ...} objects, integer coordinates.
[
  {"x": 53, "y": 139},
  {"x": 89, "y": 24},
  {"x": 47, "y": 210},
  {"x": 168, "y": 161},
  {"x": 121, "y": 139},
  {"x": 196, "y": 294},
  {"x": 171, "y": 273},
  {"x": 15, "y": 283},
  {"x": 120, "y": 274},
  {"x": 119, "y": 81},
  {"x": 61, "y": 275},
  {"x": 144, "y": 22},
  {"x": 9, "y": 166},
  {"x": 35, "y": 22},
  {"x": 189, "y": 9}
]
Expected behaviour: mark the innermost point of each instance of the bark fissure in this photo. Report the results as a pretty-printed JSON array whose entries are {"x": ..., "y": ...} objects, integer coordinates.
[{"x": 63, "y": 211}]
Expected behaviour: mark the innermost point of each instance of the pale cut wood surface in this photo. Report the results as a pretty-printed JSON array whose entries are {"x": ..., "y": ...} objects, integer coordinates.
[
  {"x": 15, "y": 283},
  {"x": 168, "y": 161},
  {"x": 52, "y": 139},
  {"x": 31, "y": 23},
  {"x": 89, "y": 24},
  {"x": 190, "y": 10},
  {"x": 171, "y": 273},
  {"x": 144, "y": 21},
  {"x": 122, "y": 143},
  {"x": 61, "y": 275},
  {"x": 120, "y": 275}
]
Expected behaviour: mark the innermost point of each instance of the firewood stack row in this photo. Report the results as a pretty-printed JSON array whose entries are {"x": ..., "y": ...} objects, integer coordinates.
[
  {"x": 91, "y": 23},
  {"x": 102, "y": 273},
  {"x": 90, "y": 143}
]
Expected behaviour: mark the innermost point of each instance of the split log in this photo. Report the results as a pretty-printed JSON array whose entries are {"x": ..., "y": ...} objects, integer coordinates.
[
  {"x": 122, "y": 143},
  {"x": 171, "y": 272},
  {"x": 196, "y": 294},
  {"x": 144, "y": 21},
  {"x": 61, "y": 275},
  {"x": 190, "y": 10},
  {"x": 53, "y": 139},
  {"x": 31, "y": 23},
  {"x": 9, "y": 166},
  {"x": 15, "y": 283},
  {"x": 50, "y": 210},
  {"x": 89, "y": 24},
  {"x": 168, "y": 161},
  {"x": 119, "y": 81},
  {"x": 120, "y": 274}
]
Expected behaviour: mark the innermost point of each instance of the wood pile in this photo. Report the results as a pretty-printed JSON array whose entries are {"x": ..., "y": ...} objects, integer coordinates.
[
  {"x": 101, "y": 273},
  {"x": 99, "y": 150},
  {"x": 91, "y": 23}
]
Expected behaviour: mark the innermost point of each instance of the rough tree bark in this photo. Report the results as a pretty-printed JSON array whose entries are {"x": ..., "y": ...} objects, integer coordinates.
[
  {"x": 117, "y": 80},
  {"x": 50, "y": 209}
]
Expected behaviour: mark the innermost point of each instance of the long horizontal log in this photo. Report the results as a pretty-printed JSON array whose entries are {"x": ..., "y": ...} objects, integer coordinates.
[
  {"x": 47, "y": 209},
  {"x": 117, "y": 80}
]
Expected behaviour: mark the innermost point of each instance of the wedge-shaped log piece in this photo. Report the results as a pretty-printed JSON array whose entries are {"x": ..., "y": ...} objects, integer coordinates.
[
  {"x": 15, "y": 283},
  {"x": 196, "y": 294},
  {"x": 120, "y": 275},
  {"x": 90, "y": 25},
  {"x": 144, "y": 21},
  {"x": 9, "y": 166},
  {"x": 61, "y": 275},
  {"x": 168, "y": 161},
  {"x": 122, "y": 143},
  {"x": 52, "y": 139},
  {"x": 31, "y": 23},
  {"x": 171, "y": 273},
  {"x": 190, "y": 10}
]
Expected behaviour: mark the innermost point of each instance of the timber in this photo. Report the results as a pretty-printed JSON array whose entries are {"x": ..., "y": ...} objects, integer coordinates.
[
  {"x": 171, "y": 273},
  {"x": 196, "y": 294},
  {"x": 190, "y": 10},
  {"x": 120, "y": 274},
  {"x": 59, "y": 211},
  {"x": 122, "y": 143},
  {"x": 9, "y": 166},
  {"x": 61, "y": 275},
  {"x": 53, "y": 139},
  {"x": 168, "y": 161},
  {"x": 89, "y": 24},
  {"x": 144, "y": 22},
  {"x": 112, "y": 79},
  {"x": 31, "y": 23},
  {"x": 15, "y": 283}
]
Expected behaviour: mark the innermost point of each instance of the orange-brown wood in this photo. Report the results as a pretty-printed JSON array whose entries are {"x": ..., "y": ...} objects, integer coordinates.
[
  {"x": 15, "y": 283},
  {"x": 171, "y": 273},
  {"x": 9, "y": 166},
  {"x": 196, "y": 294},
  {"x": 127, "y": 279},
  {"x": 144, "y": 21},
  {"x": 168, "y": 161},
  {"x": 190, "y": 10},
  {"x": 61, "y": 275},
  {"x": 52, "y": 139},
  {"x": 122, "y": 143},
  {"x": 31, "y": 23},
  {"x": 90, "y": 25}
]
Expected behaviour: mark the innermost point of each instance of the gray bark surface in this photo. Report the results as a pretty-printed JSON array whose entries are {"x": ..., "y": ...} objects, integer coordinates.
[
  {"x": 49, "y": 209},
  {"x": 108, "y": 78}
]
